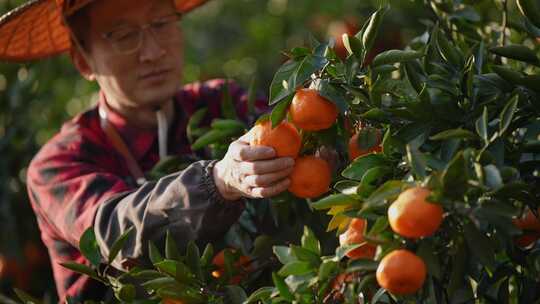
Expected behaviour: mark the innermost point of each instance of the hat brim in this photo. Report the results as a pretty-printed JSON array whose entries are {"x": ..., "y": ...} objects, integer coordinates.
[{"x": 35, "y": 30}]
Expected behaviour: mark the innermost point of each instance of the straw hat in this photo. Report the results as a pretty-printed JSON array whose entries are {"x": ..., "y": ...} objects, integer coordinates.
[{"x": 35, "y": 29}]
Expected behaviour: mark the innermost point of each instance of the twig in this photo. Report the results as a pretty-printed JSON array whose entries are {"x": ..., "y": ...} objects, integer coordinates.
[{"x": 504, "y": 22}]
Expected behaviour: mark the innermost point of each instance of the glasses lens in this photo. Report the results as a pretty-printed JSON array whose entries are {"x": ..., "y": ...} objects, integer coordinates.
[
  {"x": 125, "y": 40},
  {"x": 164, "y": 28}
]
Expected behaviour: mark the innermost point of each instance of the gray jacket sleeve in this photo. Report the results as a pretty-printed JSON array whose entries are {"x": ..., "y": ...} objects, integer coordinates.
[{"x": 186, "y": 203}]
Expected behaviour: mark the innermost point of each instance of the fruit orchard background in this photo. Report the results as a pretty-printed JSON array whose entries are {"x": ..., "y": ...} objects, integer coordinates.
[{"x": 240, "y": 39}]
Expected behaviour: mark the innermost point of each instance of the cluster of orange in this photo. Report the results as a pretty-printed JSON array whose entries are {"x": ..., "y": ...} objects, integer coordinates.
[
  {"x": 401, "y": 272},
  {"x": 309, "y": 111}
]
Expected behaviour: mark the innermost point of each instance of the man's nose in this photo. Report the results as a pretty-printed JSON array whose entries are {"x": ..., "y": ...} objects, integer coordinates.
[{"x": 150, "y": 48}]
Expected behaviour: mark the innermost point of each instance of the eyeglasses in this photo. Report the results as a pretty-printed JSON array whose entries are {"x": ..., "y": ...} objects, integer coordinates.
[{"x": 127, "y": 40}]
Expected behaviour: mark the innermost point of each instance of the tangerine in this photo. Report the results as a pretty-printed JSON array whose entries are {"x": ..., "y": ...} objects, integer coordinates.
[
  {"x": 172, "y": 301},
  {"x": 284, "y": 138},
  {"x": 411, "y": 215},
  {"x": 355, "y": 235},
  {"x": 356, "y": 150},
  {"x": 242, "y": 264},
  {"x": 312, "y": 112},
  {"x": 311, "y": 177},
  {"x": 401, "y": 272},
  {"x": 530, "y": 225}
]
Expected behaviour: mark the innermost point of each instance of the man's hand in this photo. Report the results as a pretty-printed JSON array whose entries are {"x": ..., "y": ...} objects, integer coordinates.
[{"x": 251, "y": 171}]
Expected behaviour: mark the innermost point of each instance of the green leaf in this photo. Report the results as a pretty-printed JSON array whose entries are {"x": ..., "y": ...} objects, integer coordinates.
[
  {"x": 279, "y": 88},
  {"x": 213, "y": 136},
  {"x": 119, "y": 244},
  {"x": 449, "y": 52},
  {"x": 455, "y": 177},
  {"x": 260, "y": 295},
  {"x": 283, "y": 289},
  {"x": 227, "y": 106},
  {"x": 482, "y": 126},
  {"x": 235, "y": 294},
  {"x": 362, "y": 265},
  {"x": 362, "y": 164},
  {"x": 508, "y": 74},
  {"x": 227, "y": 124},
  {"x": 159, "y": 283},
  {"x": 371, "y": 29},
  {"x": 388, "y": 191},
  {"x": 353, "y": 45},
  {"x": 415, "y": 74},
  {"x": 305, "y": 255},
  {"x": 309, "y": 65},
  {"x": 531, "y": 10},
  {"x": 395, "y": 56},
  {"x": 147, "y": 275},
  {"x": 171, "y": 250},
  {"x": 517, "y": 52},
  {"x": 126, "y": 293},
  {"x": 284, "y": 254},
  {"x": 193, "y": 259},
  {"x": 89, "y": 247},
  {"x": 328, "y": 91},
  {"x": 328, "y": 269},
  {"x": 454, "y": 133},
  {"x": 480, "y": 245},
  {"x": 417, "y": 162},
  {"x": 208, "y": 255},
  {"x": 493, "y": 177},
  {"x": 25, "y": 297},
  {"x": 194, "y": 122},
  {"x": 279, "y": 112},
  {"x": 333, "y": 200},
  {"x": 507, "y": 114},
  {"x": 428, "y": 255},
  {"x": 153, "y": 253},
  {"x": 310, "y": 241},
  {"x": 81, "y": 268},
  {"x": 295, "y": 268},
  {"x": 185, "y": 293}
]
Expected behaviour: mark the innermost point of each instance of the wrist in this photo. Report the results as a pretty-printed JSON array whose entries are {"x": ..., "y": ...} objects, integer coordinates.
[{"x": 219, "y": 174}]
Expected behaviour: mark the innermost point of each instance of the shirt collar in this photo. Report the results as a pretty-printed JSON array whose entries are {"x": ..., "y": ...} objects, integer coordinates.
[{"x": 139, "y": 141}]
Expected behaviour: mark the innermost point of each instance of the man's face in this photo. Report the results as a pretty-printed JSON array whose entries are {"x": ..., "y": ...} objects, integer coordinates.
[{"x": 147, "y": 77}]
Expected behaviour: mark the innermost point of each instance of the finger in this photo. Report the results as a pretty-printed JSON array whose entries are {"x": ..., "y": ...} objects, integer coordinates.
[
  {"x": 262, "y": 192},
  {"x": 244, "y": 152},
  {"x": 261, "y": 167},
  {"x": 266, "y": 180}
]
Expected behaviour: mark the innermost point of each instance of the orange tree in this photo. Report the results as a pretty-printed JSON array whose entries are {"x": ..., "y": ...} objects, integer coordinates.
[{"x": 445, "y": 185}]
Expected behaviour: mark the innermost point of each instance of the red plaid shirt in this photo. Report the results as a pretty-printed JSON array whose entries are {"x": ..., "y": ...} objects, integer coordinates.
[{"x": 78, "y": 169}]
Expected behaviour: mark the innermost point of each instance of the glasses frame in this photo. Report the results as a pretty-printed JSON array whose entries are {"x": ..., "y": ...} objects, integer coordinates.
[{"x": 140, "y": 29}]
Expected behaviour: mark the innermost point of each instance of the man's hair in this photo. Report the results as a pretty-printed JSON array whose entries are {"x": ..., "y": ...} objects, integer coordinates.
[{"x": 79, "y": 23}]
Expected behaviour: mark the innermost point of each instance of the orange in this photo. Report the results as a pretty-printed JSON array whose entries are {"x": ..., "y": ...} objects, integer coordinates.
[
  {"x": 311, "y": 177},
  {"x": 171, "y": 301},
  {"x": 528, "y": 222},
  {"x": 336, "y": 30},
  {"x": 242, "y": 265},
  {"x": 284, "y": 138},
  {"x": 355, "y": 150},
  {"x": 355, "y": 235},
  {"x": 530, "y": 225},
  {"x": 312, "y": 112},
  {"x": 401, "y": 272},
  {"x": 414, "y": 217}
]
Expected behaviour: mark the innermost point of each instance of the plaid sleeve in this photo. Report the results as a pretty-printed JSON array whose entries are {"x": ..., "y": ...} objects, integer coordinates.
[{"x": 67, "y": 182}]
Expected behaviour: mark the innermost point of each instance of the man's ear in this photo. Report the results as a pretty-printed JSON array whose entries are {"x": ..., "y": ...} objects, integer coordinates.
[{"x": 81, "y": 63}]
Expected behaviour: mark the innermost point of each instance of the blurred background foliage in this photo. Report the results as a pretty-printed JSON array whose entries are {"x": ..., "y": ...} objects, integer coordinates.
[{"x": 239, "y": 39}]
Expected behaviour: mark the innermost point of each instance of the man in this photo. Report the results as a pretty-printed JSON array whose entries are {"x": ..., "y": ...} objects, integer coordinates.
[{"x": 91, "y": 174}]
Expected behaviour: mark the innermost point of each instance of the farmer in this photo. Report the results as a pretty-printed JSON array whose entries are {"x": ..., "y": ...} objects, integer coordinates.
[{"x": 91, "y": 174}]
